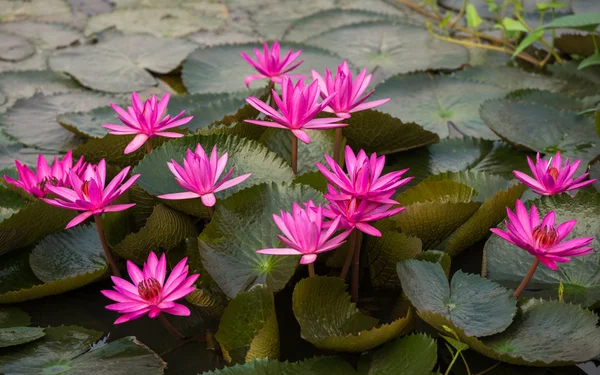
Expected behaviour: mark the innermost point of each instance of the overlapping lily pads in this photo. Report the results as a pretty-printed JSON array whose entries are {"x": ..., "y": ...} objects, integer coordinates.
[
  {"x": 385, "y": 252},
  {"x": 312, "y": 366},
  {"x": 413, "y": 354},
  {"x": 14, "y": 330}
]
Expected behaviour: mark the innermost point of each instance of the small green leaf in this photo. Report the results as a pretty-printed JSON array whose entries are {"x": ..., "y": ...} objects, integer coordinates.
[
  {"x": 589, "y": 61},
  {"x": 473, "y": 19},
  {"x": 513, "y": 25},
  {"x": 456, "y": 344},
  {"x": 542, "y": 7},
  {"x": 445, "y": 20},
  {"x": 531, "y": 38}
]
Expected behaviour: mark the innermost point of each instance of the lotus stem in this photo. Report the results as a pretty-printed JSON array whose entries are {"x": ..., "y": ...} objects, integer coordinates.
[
  {"x": 337, "y": 145},
  {"x": 348, "y": 260},
  {"x": 311, "y": 270},
  {"x": 355, "y": 268},
  {"x": 528, "y": 277},
  {"x": 211, "y": 211},
  {"x": 172, "y": 330},
  {"x": 295, "y": 154},
  {"x": 148, "y": 146},
  {"x": 489, "y": 368},
  {"x": 107, "y": 252}
]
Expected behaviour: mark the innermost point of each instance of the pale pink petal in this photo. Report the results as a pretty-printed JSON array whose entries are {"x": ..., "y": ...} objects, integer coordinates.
[
  {"x": 137, "y": 142},
  {"x": 78, "y": 219},
  {"x": 178, "y": 196}
]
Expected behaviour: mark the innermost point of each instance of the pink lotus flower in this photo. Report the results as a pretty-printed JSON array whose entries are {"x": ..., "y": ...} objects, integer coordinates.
[
  {"x": 298, "y": 106},
  {"x": 348, "y": 98},
  {"x": 199, "y": 176},
  {"x": 149, "y": 293},
  {"x": 363, "y": 180},
  {"x": 37, "y": 183},
  {"x": 551, "y": 177},
  {"x": 545, "y": 240},
  {"x": 305, "y": 234},
  {"x": 269, "y": 64},
  {"x": 89, "y": 193},
  {"x": 146, "y": 121}
]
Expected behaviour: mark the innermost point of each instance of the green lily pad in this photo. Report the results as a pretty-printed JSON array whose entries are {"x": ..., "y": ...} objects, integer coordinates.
[
  {"x": 242, "y": 224},
  {"x": 433, "y": 102},
  {"x": 385, "y": 252},
  {"x": 10, "y": 202},
  {"x": 478, "y": 306},
  {"x": 580, "y": 83},
  {"x": 312, "y": 366},
  {"x": 44, "y": 35},
  {"x": 511, "y": 79},
  {"x": 39, "y": 10},
  {"x": 507, "y": 264},
  {"x": 248, "y": 328},
  {"x": 316, "y": 180},
  {"x": 38, "y": 61},
  {"x": 551, "y": 99},
  {"x": 414, "y": 354},
  {"x": 330, "y": 321},
  {"x": 13, "y": 330},
  {"x": 14, "y": 47},
  {"x": 247, "y": 156},
  {"x": 11, "y": 316},
  {"x": 391, "y": 48},
  {"x": 95, "y": 66},
  {"x": 88, "y": 124},
  {"x": 439, "y": 257}
]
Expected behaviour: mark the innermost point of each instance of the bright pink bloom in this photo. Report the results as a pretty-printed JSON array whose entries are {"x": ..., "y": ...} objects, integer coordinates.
[
  {"x": 149, "y": 293},
  {"x": 348, "y": 98},
  {"x": 89, "y": 194},
  {"x": 305, "y": 234},
  {"x": 544, "y": 241},
  {"x": 551, "y": 177},
  {"x": 269, "y": 64},
  {"x": 298, "y": 106},
  {"x": 146, "y": 120},
  {"x": 363, "y": 180},
  {"x": 199, "y": 176}
]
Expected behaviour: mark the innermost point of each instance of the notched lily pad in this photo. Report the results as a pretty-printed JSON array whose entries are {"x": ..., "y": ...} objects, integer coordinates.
[
  {"x": 312, "y": 366},
  {"x": 13, "y": 330}
]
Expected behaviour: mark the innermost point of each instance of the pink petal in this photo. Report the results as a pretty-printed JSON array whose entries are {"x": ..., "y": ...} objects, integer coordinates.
[
  {"x": 208, "y": 200},
  {"x": 234, "y": 181},
  {"x": 78, "y": 219},
  {"x": 178, "y": 309},
  {"x": 177, "y": 196},
  {"x": 136, "y": 143},
  {"x": 279, "y": 251}
]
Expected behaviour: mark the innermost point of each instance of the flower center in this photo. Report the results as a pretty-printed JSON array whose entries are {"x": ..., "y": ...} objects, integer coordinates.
[
  {"x": 553, "y": 172},
  {"x": 48, "y": 180},
  {"x": 544, "y": 236},
  {"x": 149, "y": 289},
  {"x": 85, "y": 188}
]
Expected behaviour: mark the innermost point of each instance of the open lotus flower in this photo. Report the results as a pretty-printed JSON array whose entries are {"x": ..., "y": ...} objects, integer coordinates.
[
  {"x": 146, "y": 121},
  {"x": 364, "y": 179},
  {"x": 45, "y": 175},
  {"x": 552, "y": 177},
  {"x": 270, "y": 65},
  {"x": 90, "y": 194},
  {"x": 304, "y": 233},
  {"x": 298, "y": 106},
  {"x": 543, "y": 240},
  {"x": 149, "y": 293},
  {"x": 348, "y": 98},
  {"x": 199, "y": 175}
]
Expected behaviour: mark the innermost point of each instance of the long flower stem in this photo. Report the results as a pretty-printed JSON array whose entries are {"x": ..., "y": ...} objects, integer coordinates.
[
  {"x": 295, "y": 154},
  {"x": 148, "y": 146},
  {"x": 348, "y": 261},
  {"x": 311, "y": 270},
  {"x": 211, "y": 211},
  {"x": 337, "y": 145},
  {"x": 356, "y": 268},
  {"x": 528, "y": 277},
  {"x": 489, "y": 368},
  {"x": 452, "y": 363},
  {"x": 172, "y": 330},
  {"x": 109, "y": 257}
]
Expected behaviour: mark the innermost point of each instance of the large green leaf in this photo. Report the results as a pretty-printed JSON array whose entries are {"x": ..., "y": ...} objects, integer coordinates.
[
  {"x": 385, "y": 252},
  {"x": 247, "y": 156},
  {"x": 331, "y": 322},
  {"x": 40, "y": 10},
  {"x": 580, "y": 83},
  {"x": 414, "y": 354},
  {"x": 589, "y": 20},
  {"x": 13, "y": 330},
  {"x": 248, "y": 328},
  {"x": 508, "y": 264},
  {"x": 44, "y": 35},
  {"x": 242, "y": 224},
  {"x": 14, "y": 47},
  {"x": 312, "y": 366},
  {"x": 478, "y": 306},
  {"x": 509, "y": 78}
]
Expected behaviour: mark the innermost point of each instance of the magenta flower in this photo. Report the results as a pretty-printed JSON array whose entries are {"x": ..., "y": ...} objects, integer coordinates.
[
  {"x": 348, "y": 98},
  {"x": 149, "y": 293},
  {"x": 298, "y": 106},
  {"x": 146, "y": 121},
  {"x": 551, "y": 177},
  {"x": 364, "y": 179},
  {"x": 37, "y": 183},
  {"x": 545, "y": 240},
  {"x": 199, "y": 176},
  {"x": 89, "y": 193},
  {"x": 305, "y": 234},
  {"x": 269, "y": 64}
]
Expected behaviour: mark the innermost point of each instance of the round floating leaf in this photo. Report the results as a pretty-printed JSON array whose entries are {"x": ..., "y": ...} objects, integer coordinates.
[
  {"x": 38, "y": 61},
  {"x": 44, "y": 35},
  {"x": 385, "y": 252},
  {"x": 247, "y": 156},
  {"x": 121, "y": 64},
  {"x": 391, "y": 48},
  {"x": 14, "y": 47},
  {"x": 331, "y": 322},
  {"x": 39, "y": 10},
  {"x": 312, "y": 366},
  {"x": 12, "y": 317},
  {"x": 414, "y": 354},
  {"x": 434, "y": 102},
  {"x": 551, "y": 99},
  {"x": 19, "y": 335},
  {"x": 478, "y": 306},
  {"x": 242, "y": 224},
  {"x": 511, "y": 79},
  {"x": 580, "y": 83},
  {"x": 248, "y": 328},
  {"x": 88, "y": 124},
  {"x": 439, "y": 257}
]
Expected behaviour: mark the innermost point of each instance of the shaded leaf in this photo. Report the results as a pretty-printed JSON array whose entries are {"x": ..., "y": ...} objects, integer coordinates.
[
  {"x": 19, "y": 335},
  {"x": 312, "y": 366},
  {"x": 509, "y": 78},
  {"x": 44, "y": 35},
  {"x": 14, "y": 47},
  {"x": 414, "y": 354},
  {"x": 385, "y": 252}
]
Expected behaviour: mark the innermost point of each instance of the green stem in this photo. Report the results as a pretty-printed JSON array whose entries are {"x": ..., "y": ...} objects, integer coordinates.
[
  {"x": 295, "y": 154},
  {"x": 348, "y": 261},
  {"x": 148, "y": 146},
  {"x": 311, "y": 270},
  {"x": 452, "y": 363},
  {"x": 337, "y": 145},
  {"x": 489, "y": 368},
  {"x": 542, "y": 41},
  {"x": 526, "y": 279},
  {"x": 356, "y": 267},
  {"x": 461, "y": 12},
  {"x": 465, "y": 362},
  {"x": 109, "y": 257}
]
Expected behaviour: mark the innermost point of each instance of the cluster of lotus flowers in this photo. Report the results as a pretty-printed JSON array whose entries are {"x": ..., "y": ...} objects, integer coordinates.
[{"x": 357, "y": 196}]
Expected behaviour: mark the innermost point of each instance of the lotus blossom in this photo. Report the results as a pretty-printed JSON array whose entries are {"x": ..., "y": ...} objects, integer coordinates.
[
  {"x": 543, "y": 240},
  {"x": 146, "y": 120},
  {"x": 150, "y": 293},
  {"x": 45, "y": 175},
  {"x": 348, "y": 98},
  {"x": 364, "y": 179},
  {"x": 305, "y": 233},
  {"x": 298, "y": 106},
  {"x": 89, "y": 193},
  {"x": 270, "y": 65},
  {"x": 199, "y": 175},
  {"x": 552, "y": 177}
]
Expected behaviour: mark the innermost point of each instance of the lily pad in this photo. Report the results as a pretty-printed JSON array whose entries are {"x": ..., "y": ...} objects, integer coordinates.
[
  {"x": 13, "y": 317},
  {"x": 39, "y": 10},
  {"x": 43, "y": 34},
  {"x": 331, "y": 322},
  {"x": 88, "y": 124},
  {"x": 385, "y": 252},
  {"x": 511, "y": 79},
  {"x": 14, "y": 47},
  {"x": 13, "y": 330},
  {"x": 312, "y": 366},
  {"x": 580, "y": 83},
  {"x": 414, "y": 354},
  {"x": 242, "y": 224}
]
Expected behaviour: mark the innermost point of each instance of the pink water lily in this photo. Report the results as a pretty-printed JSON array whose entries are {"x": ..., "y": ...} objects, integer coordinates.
[
  {"x": 543, "y": 240},
  {"x": 305, "y": 233},
  {"x": 36, "y": 183},
  {"x": 149, "y": 293},
  {"x": 348, "y": 98},
  {"x": 552, "y": 177},
  {"x": 90, "y": 194},
  {"x": 146, "y": 120},
  {"x": 200, "y": 176},
  {"x": 298, "y": 107},
  {"x": 270, "y": 64}
]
